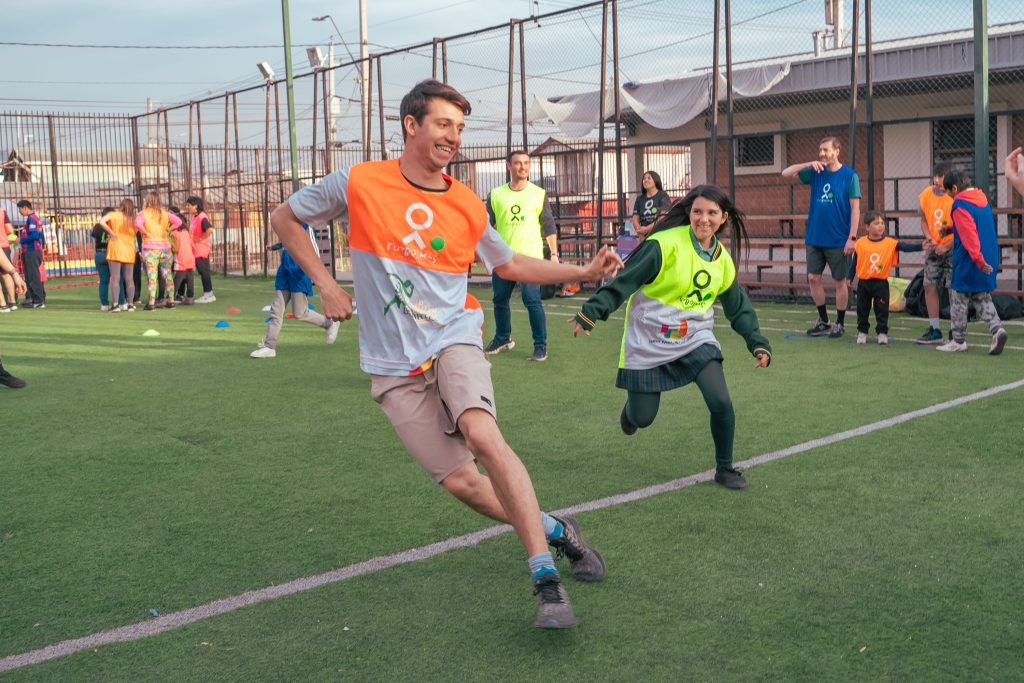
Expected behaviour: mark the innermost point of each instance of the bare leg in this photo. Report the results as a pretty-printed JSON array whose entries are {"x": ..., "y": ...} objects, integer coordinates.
[
  {"x": 475, "y": 490},
  {"x": 931, "y": 300},
  {"x": 509, "y": 479},
  {"x": 842, "y": 294},
  {"x": 817, "y": 289}
]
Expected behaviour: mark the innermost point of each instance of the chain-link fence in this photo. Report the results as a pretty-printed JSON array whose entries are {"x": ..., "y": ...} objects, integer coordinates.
[{"x": 547, "y": 84}]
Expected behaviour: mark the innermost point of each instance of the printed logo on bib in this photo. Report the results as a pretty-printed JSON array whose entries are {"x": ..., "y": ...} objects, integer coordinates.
[
  {"x": 674, "y": 332},
  {"x": 700, "y": 293},
  {"x": 516, "y": 212},
  {"x": 419, "y": 217},
  {"x": 649, "y": 208},
  {"x": 876, "y": 263},
  {"x": 403, "y": 302}
]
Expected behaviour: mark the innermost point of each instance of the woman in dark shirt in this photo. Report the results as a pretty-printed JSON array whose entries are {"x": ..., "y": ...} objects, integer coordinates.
[
  {"x": 650, "y": 205},
  {"x": 100, "y": 237}
]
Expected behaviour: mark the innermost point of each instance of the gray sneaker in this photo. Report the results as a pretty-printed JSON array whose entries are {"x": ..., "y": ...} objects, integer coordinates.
[
  {"x": 998, "y": 342},
  {"x": 553, "y": 607},
  {"x": 496, "y": 347},
  {"x": 836, "y": 332},
  {"x": 585, "y": 563}
]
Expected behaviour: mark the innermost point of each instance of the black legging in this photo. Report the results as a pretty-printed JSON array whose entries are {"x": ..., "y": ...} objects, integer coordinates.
[{"x": 642, "y": 408}]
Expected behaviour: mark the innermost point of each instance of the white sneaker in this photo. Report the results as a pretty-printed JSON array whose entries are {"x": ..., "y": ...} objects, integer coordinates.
[
  {"x": 263, "y": 352},
  {"x": 207, "y": 298},
  {"x": 332, "y": 332},
  {"x": 118, "y": 309},
  {"x": 883, "y": 338},
  {"x": 952, "y": 346},
  {"x": 104, "y": 308},
  {"x": 862, "y": 338}
]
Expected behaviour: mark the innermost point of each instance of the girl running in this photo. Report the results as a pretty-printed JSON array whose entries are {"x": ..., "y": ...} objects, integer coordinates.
[{"x": 669, "y": 284}]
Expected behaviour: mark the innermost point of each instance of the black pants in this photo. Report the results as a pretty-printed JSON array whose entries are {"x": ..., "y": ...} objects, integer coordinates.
[
  {"x": 183, "y": 283},
  {"x": 873, "y": 293},
  {"x": 137, "y": 278},
  {"x": 203, "y": 266},
  {"x": 33, "y": 262}
]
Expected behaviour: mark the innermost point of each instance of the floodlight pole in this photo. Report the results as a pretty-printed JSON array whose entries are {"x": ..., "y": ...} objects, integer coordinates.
[
  {"x": 981, "y": 103},
  {"x": 290, "y": 90}
]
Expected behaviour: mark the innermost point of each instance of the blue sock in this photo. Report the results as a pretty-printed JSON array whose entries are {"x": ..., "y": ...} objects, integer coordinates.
[
  {"x": 541, "y": 565},
  {"x": 553, "y": 529}
]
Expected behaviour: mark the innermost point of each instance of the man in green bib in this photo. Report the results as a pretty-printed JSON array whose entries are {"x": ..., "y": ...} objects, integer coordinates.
[{"x": 520, "y": 213}]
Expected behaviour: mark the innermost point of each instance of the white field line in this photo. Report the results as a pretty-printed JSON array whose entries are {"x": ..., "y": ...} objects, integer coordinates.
[{"x": 175, "y": 620}]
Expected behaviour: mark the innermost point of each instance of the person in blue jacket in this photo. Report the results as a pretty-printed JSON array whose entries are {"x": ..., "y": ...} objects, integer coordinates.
[
  {"x": 32, "y": 242},
  {"x": 291, "y": 284}
]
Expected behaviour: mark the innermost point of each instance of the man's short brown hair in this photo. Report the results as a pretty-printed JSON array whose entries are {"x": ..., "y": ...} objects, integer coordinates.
[
  {"x": 416, "y": 102},
  {"x": 831, "y": 138}
]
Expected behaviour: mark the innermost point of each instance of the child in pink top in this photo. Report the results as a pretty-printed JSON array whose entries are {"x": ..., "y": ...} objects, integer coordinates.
[{"x": 184, "y": 265}]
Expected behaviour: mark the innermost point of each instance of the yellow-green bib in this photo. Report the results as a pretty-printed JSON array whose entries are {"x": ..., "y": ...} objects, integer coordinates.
[{"x": 517, "y": 218}]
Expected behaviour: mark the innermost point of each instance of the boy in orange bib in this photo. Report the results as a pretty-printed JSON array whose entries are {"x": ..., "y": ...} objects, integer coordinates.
[{"x": 874, "y": 255}]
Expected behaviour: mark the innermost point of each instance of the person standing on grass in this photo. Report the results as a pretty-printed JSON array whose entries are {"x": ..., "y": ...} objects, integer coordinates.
[
  {"x": 184, "y": 265},
  {"x": 100, "y": 239},
  {"x": 202, "y": 233},
  {"x": 832, "y": 222},
  {"x": 669, "y": 285},
  {"x": 519, "y": 211},
  {"x": 650, "y": 205},
  {"x": 936, "y": 223},
  {"x": 291, "y": 284},
  {"x": 32, "y": 243},
  {"x": 154, "y": 223},
  {"x": 121, "y": 255},
  {"x": 874, "y": 255},
  {"x": 975, "y": 250},
  {"x": 414, "y": 232},
  {"x": 8, "y": 270}
]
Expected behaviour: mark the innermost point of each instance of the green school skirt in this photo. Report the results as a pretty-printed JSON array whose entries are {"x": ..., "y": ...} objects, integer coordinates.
[{"x": 678, "y": 373}]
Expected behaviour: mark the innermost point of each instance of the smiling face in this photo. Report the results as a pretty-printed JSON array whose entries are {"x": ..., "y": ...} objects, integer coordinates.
[
  {"x": 435, "y": 141},
  {"x": 706, "y": 218},
  {"x": 519, "y": 167},
  {"x": 648, "y": 182}
]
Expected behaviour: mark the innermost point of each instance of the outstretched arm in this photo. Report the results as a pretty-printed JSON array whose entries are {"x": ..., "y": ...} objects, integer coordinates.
[
  {"x": 642, "y": 267},
  {"x": 539, "y": 272}
]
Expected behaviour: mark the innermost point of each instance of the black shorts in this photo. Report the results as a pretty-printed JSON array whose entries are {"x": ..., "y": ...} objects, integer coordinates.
[{"x": 838, "y": 262}]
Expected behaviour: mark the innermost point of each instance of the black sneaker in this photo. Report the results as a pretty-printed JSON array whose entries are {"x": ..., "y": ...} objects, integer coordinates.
[
  {"x": 585, "y": 563},
  {"x": 149, "y": 307},
  {"x": 820, "y": 328},
  {"x": 9, "y": 380},
  {"x": 553, "y": 607},
  {"x": 496, "y": 347},
  {"x": 836, "y": 332},
  {"x": 628, "y": 428},
  {"x": 731, "y": 479},
  {"x": 540, "y": 353},
  {"x": 932, "y": 336}
]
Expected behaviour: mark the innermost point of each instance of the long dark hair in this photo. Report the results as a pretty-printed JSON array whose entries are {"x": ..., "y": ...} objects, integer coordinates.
[
  {"x": 657, "y": 182},
  {"x": 679, "y": 214}
]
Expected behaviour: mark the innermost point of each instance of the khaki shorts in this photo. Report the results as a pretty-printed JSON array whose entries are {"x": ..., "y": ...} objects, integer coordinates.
[{"x": 425, "y": 409}]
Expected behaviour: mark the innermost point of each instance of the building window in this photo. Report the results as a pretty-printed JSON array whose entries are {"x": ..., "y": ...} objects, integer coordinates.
[
  {"x": 953, "y": 141},
  {"x": 755, "y": 150}
]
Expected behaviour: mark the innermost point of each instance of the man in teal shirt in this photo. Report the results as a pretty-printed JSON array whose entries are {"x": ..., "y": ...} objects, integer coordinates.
[{"x": 519, "y": 212}]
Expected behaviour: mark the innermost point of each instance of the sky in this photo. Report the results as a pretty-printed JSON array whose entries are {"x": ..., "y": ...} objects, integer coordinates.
[{"x": 658, "y": 38}]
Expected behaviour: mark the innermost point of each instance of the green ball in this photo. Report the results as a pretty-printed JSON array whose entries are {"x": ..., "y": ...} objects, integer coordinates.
[
  {"x": 437, "y": 244},
  {"x": 12, "y": 238}
]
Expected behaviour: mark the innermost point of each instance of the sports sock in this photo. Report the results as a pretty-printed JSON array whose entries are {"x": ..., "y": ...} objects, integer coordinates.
[
  {"x": 553, "y": 529},
  {"x": 840, "y": 317},
  {"x": 822, "y": 314},
  {"x": 541, "y": 565},
  {"x": 934, "y": 322}
]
